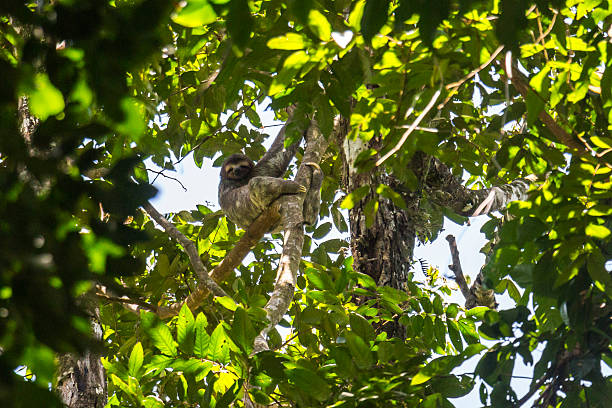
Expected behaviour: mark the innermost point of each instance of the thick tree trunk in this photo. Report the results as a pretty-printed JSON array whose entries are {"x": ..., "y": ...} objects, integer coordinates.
[
  {"x": 384, "y": 249},
  {"x": 81, "y": 379}
]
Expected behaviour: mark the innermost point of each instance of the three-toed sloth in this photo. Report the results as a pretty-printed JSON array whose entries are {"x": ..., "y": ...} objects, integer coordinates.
[{"x": 247, "y": 189}]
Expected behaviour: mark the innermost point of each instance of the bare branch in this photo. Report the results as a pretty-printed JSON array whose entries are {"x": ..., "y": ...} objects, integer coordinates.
[
  {"x": 189, "y": 248},
  {"x": 456, "y": 267},
  {"x": 532, "y": 390},
  {"x": 133, "y": 305},
  {"x": 232, "y": 259},
  {"x": 161, "y": 173},
  {"x": 412, "y": 127}
]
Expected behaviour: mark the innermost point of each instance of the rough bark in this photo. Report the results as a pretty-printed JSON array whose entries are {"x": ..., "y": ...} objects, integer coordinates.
[
  {"x": 292, "y": 213},
  {"x": 81, "y": 379},
  {"x": 384, "y": 249}
]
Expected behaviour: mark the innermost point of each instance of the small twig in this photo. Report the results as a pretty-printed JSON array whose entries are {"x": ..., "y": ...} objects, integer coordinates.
[
  {"x": 456, "y": 267},
  {"x": 161, "y": 173},
  {"x": 412, "y": 127},
  {"x": 126, "y": 300},
  {"x": 532, "y": 390},
  {"x": 289, "y": 340},
  {"x": 189, "y": 248},
  {"x": 422, "y": 129},
  {"x": 548, "y": 30},
  {"x": 474, "y": 71}
]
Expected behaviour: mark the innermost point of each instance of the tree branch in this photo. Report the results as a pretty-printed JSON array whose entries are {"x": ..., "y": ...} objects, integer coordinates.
[
  {"x": 133, "y": 305},
  {"x": 456, "y": 267},
  {"x": 521, "y": 84},
  {"x": 189, "y": 248},
  {"x": 291, "y": 207},
  {"x": 232, "y": 259},
  {"x": 448, "y": 191}
]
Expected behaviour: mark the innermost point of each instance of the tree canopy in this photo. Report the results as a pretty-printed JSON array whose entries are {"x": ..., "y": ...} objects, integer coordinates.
[{"x": 422, "y": 110}]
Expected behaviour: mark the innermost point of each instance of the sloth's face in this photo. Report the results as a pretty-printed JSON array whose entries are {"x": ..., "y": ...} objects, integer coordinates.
[{"x": 238, "y": 171}]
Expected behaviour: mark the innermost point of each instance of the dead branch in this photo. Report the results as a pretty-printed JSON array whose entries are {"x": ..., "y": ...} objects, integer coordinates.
[
  {"x": 456, "y": 267},
  {"x": 133, "y": 305}
]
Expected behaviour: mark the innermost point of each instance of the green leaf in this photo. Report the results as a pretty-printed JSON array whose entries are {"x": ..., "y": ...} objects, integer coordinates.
[
  {"x": 388, "y": 192},
  {"x": 597, "y": 270},
  {"x": 535, "y": 105},
  {"x": 227, "y": 302},
  {"x": 468, "y": 329},
  {"x": 153, "y": 402},
  {"x": 219, "y": 347},
  {"x": 452, "y": 310},
  {"x": 603, "y": 142},
  {"x": 361, "y": 327},
  {"x": 375, "y": 14},
  {"x": 240, "y": 22},
  {"x": 597, "y": 231},
  {"x": 185, "y": 329},
  {"x": 309, "y": 382},
  {"x": 44, "y": 99},
  {"x": 243, "y": 332},
  {"x": 319, "y": 24},
  {"x": 133, "y": 123},
  {"x": 162, "y": 339},
  {"x": 202, "y": 339},
  {"x": 362, "y": 356},
  {"x": 135, "y": 361},
  {"x": 579, "y": 93},
  {"x": 455, "y": 336},
  {"x": 477, "y": 311},
  {"x": 290, "y": 41},
  {"x": 354, "y": 197},
  {"x": 196, "y": 13},
  {"x": 322, "y": 230}
]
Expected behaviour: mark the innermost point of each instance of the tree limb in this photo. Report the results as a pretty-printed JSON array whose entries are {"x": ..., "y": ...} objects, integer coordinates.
[
  {"x": 232, "y": 259},
  {"x": 292, "y": 207},
  {"x": 521, "y": 84},
  {"x": 456, "y": 267},
  {"x": 189, "y": 248},
  {"x": 448, "y": 191}
]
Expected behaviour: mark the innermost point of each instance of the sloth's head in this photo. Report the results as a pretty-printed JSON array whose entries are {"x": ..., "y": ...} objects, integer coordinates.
[{"x": 237, "y": 167}]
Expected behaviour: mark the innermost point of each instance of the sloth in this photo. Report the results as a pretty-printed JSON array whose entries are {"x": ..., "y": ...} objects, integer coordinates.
[{"x": 247, "y": 189}]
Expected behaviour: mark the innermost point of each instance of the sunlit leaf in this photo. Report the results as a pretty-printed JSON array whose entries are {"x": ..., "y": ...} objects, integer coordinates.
[
  {"x": 44, "y": 99},
  {"x": 290, "y": 41},
  {"x": 135, "y": 361},
  {"x": 195, "y": 13}
]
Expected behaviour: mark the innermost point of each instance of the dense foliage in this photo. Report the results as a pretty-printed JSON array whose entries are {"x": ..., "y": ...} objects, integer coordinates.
[{"x": 114, "y": 83}]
